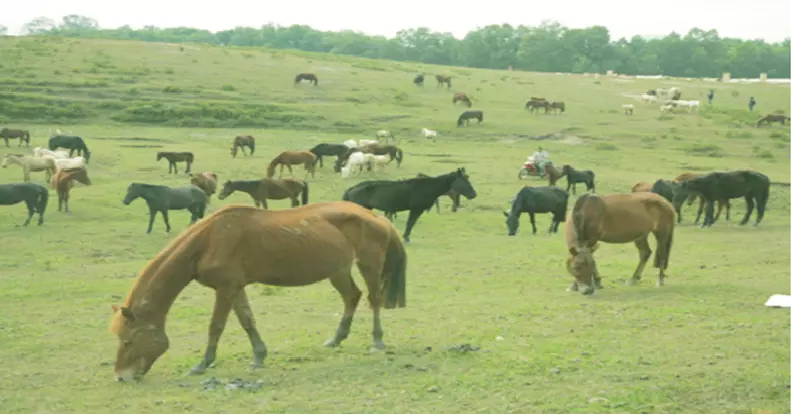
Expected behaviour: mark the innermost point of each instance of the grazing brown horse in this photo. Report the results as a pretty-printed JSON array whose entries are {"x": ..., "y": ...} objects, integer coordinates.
[
  {"x": 174, "y": 157},
  {"x": 289, "y": 158},
  {"x": 555, "y": 106},
  {"x": 206, "y": 181},
  {"x": 461, "y": 96},
  {"x": 242, "y": 141},
  {"x": 641, "y": 187},
  {"x": 443, "y": 79},
  {"x": 22, "y": 135},
  {"x": 261, "y": 190},
  {"x": 240, "y": 245},
  {"x": 306, "y": 77},
  {"x": 63, "y": 180},
  {"x": 765, "y": 120},
  {"x": 552, "y": 173},
  {"x": 617, "y": 219},
  {"x": 690, "y": 196}
]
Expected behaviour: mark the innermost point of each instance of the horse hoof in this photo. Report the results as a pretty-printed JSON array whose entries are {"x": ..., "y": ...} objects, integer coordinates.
[
  {"x": 631, "y": 282},
  {"x": 331, "y": 343},
  {"x": 378, "y": 347},
  {"x": 255, "y": 365},
  {"x": 197, "y": 370}
]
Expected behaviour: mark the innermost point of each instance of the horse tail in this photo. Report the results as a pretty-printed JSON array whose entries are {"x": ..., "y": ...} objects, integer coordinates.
[
  {"x": 662, "y": 257},
  {"x": 578, "y": 217},
  {"x": 564, "y": 207},
  {"x": 41, "y": 203},
  {"x": 763, "y": 198},
  {"x": 252, "y": 146},
  {"x": 399, "y": 156},
  {"x": 304, "y": 192},
  {"x": 394, "y": 271}
]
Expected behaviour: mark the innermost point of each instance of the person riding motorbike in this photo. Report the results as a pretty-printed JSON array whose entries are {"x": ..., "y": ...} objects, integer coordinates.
[{"x": 539, "y": 159}]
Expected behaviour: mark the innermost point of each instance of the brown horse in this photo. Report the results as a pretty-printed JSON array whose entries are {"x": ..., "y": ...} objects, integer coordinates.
[
  {"x": 206, "y": 181},
  {"x": 242, "y": 141},
  {"x": 394, "y": 152},
  {"x": 22, "y": 135},
  {"x": 617, "y": 219},
  {"x": 461, "y": 96},
  {"x": 174, "y": 157},
  {"x": 241, "y": 245},
  {"x": 306, "y": 77},
  {"x": 261, "y": 190},
  {"x": 443, "y": 79},
  {"x": 765, "y": 120},
  {"x": 552, "y": 173},
  {"x": 641, "y": 187},
  {"x": 689, "y": 196},
  {"x": 63, "y": 180},
  {"x": 289, "y": 158}
]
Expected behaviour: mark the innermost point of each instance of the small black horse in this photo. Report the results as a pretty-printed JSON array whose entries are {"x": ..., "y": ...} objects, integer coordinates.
[
  {"x": 544, "y": 199},
  {"x": 72, "y": 142},
  {"x": 751, "y": 185},
  {"x": 174, "y": 157},
  {"x": 163, "y": 198},
  {"x": 578, "y": 176},
  {"x": 453, "y": 195},
  {"x": 306, "y": 77},
  {"x": 324, "y": 149},
  {"x": 416, "y": 195},
  {"x": 469, "y": 114},
  {"x": 419, "y": 80},
  {"x": 34, "y": 195}
]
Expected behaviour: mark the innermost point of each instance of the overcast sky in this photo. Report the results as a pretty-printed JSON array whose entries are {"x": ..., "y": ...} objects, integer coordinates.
[{"x": 764, "y": 19}]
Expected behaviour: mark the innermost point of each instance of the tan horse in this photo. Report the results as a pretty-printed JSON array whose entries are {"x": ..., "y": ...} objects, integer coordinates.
[
  {"x": 241, "y": 245},
  {"x": 206, "y": 181},
  {"x": 641, "y": 187},
  {"x": 63, "y": 181},
  {"x": 617, "y": 219},
  {"x": 461, "y": 96},
  {"x": 242, "y": 141},
  {"x": 267, "y": 188},
  {"x": 32, "y": 164},
  {"x": 443, "y": 79},
  {"x": 289, "y": 158},
  {"x": 691, "y": 196},
  {"x": 394, "y": 152}
]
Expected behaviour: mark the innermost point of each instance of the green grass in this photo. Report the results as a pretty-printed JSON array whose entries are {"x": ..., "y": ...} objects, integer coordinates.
[{"x": 703, "y": 343}]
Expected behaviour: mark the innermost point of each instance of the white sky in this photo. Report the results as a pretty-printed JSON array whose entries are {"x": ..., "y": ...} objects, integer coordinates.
[{"x": 764, "y": 19}]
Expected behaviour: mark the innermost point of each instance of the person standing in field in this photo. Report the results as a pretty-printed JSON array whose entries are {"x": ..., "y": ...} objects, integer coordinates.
[
  {"x": 751, "y": 103},
  {"x": 710, "y": 95}
]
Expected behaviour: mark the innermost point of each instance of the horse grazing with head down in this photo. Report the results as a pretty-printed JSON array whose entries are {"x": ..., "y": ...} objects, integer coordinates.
[
  {"x": 418, "y": 80},
  {"x": 174, "y": 157},
  {"x": 311, "y": 78},
  {"x": 461, "y": 96},
  {"x": 266, "y": 188},
  {"x": 240, "y": 245},
  {"x": 579, "y": 176},
  {"x": 242, "y": 141},
  {"x": 617, "y": 219},
  {"x": 34, "y": 195},
  {"x": 443, "y": 79},
  {"x": 72, "y": 142},
  {"x": 765, "y": 120},
  {"x": 9, "y": 133},
  {"x": 466, "y": 116},
  {"x": 751, "y": 185},
  {"x": 326, "y": 149},
  {"x": 415, "y": 195},
  {"x": 546, "y": 199},
  {"x": 64, "y": 180},
  {"x": 289, "y": 158}
]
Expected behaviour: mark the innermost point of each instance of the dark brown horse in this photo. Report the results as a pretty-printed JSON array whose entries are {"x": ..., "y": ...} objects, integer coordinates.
[
  {"x": 751, "y": 185},
  {"x": 765, "y": 120},
  {"x": 174, "y": 157},
  {"x": 552, "y": 173},
  {"x": 573, "y": 176},
  {"x": 418, "y": 80},
  {"x": 240, "y": 245},
  {"x": 617, "y": 219},
  {"x": 689, "y": 196},
  {"x": 22, "y": 135},
  {"x": 466, "y": 116},
  {"x": 289, "y": 158},
  {"x": 306, "y": 77},
  {"x": 555, "y": 106},
  {"x": 266, "y": 188},
  {"x": 242, "y": 141},
  {"x": 63, "y": 181},
  {"x": 443, "y": 79},
  {"x": 461, "y": 96},
  {"x": 206, "y": 181}
]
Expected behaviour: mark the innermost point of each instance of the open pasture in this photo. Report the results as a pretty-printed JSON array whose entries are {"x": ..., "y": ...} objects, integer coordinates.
[{"x": 488, "y": 325}]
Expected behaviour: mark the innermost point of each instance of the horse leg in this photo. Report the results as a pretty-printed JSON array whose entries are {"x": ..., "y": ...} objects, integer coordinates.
[
  {"x": 645, "y": 253},
  {"x": 708, "y": 218},
  {"x": 371, "y": 267},
  {"x": 701, "y": 205},
  {"x": 410, "y": 223},
  {"x": 241, "y": 307},
  {"x": 31, "y": 209},
  {"x": 720, "y": 205},
  {"x": 456, "y": 202},
  {"x": 291, "y": 171},
  {"x": 294, "y": 201},
  {"x": 264, "y": 205},
  {"x": 224, "y": 299},
  {"x": 351, "y": 294},
  {"x": 750, "y": 207},
  {"x": 166, "y": 219},
  {"x": 65, "y": 196},
  {"x": 189, "y": 166},
  {"x": 152, "y": 213},
  {"x": 533, "y": 221}
]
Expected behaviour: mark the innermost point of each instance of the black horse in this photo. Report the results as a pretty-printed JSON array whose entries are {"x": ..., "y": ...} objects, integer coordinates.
[
  {"x": 416, "y": 195},
  {"x": 324, "y": 149},
  {"x": 545, "y": 199},
  {"x": 453, "y": 195},
  {"x": 34, "y": 195},
  {"x": 72, "y": 142},
  {"x": 466, "y": 116},
  {"x": 419, "y": 80},
  {"x": 306, "y": 77},
  {"x": 751, "y": 185},
  {"x": 673, "y": 193},
  {"x": 578, "y": 176},
  {"x": 163, "y": 198}
]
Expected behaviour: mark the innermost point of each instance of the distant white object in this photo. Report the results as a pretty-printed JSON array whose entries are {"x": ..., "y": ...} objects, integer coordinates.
[
  {"x": 364, "y": 143},
  {"x": 779, "y": 300},
  {"x": 429, "y": 133},
  {"x": 350, "y": 143}
]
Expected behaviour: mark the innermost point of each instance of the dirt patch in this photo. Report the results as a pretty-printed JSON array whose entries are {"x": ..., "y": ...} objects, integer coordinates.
[
  {"x": 389, "y": 118},
  {"x": 156, "y": 140},
  {"x": 141, "y": 145},
  {"x": 451, "y": 161},
  {"x": 430, "y": 155}
]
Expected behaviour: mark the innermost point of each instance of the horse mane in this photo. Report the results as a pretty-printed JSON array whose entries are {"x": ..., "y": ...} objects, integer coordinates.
[{"x": 578, "y": 219}]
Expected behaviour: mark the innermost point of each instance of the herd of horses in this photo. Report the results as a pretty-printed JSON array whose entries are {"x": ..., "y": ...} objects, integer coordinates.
[{"x": 238, "y": 245}]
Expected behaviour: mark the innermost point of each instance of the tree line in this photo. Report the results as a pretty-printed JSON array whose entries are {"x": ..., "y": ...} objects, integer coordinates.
[{"x": 549, "y": 47}]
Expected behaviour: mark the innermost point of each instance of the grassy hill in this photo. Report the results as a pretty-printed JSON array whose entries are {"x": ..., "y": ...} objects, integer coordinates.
[{"x": 702, "y": 343}]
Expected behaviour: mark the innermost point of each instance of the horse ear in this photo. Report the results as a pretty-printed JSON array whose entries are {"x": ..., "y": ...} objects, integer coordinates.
[
  {"x": 127, "y": 313},
  {"x": 505, "y": 214}
]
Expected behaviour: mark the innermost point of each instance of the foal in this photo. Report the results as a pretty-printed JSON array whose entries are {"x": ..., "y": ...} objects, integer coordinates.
[{"x": 63, "y": 181}]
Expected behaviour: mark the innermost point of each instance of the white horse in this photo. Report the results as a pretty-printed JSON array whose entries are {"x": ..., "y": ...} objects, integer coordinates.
[
  {"x": 628, "y": 109},
  {"x": 387, "y": 135},
  {"x": 355, "y": 162},
  {"x": 57, "y": 154},
  {"x": 689, "y": 105},
  {"x": 71, "y": 163},
  {"x": 648, "y": 98},
  {"x": 429, "y": 133},
  {"x": 666, "y": 108},
  {"x": 379, "y": 162},
  {"x": 364, "y": 143},
  {"x": 350, "y": 143}
]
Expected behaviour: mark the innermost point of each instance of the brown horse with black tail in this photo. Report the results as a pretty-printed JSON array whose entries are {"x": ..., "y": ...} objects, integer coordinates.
[
  {"x": 63, "y": 181},
  {"x": 174, "y": 157},
  {"x": 289, "y": 158},
  {"x": 461, "y": 96},
  {"x": 261, "y": 190},
  {"x": 311, "y": 78},
  {"x": 22, "y": 135},
  {"x": 242, "y": 141},
  {"x": 443, "y": 79},
  {"x": 240, "y": 245},
  {"x": 617, "y": 219}
]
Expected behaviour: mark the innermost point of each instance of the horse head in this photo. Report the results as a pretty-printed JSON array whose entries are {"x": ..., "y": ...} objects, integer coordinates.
[
  {"x": 141, "y": 343},
  {"x": 582, "y": 266},
  {"x": 462, "y": 184},
  {"x": 227, "y": 189}
]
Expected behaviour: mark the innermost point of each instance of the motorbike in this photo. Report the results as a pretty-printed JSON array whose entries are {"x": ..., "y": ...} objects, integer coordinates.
[{"x": 530, "y": 168}]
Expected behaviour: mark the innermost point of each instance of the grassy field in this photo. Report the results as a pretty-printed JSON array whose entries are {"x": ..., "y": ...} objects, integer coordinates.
[{"x": 702, "y": 343}]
